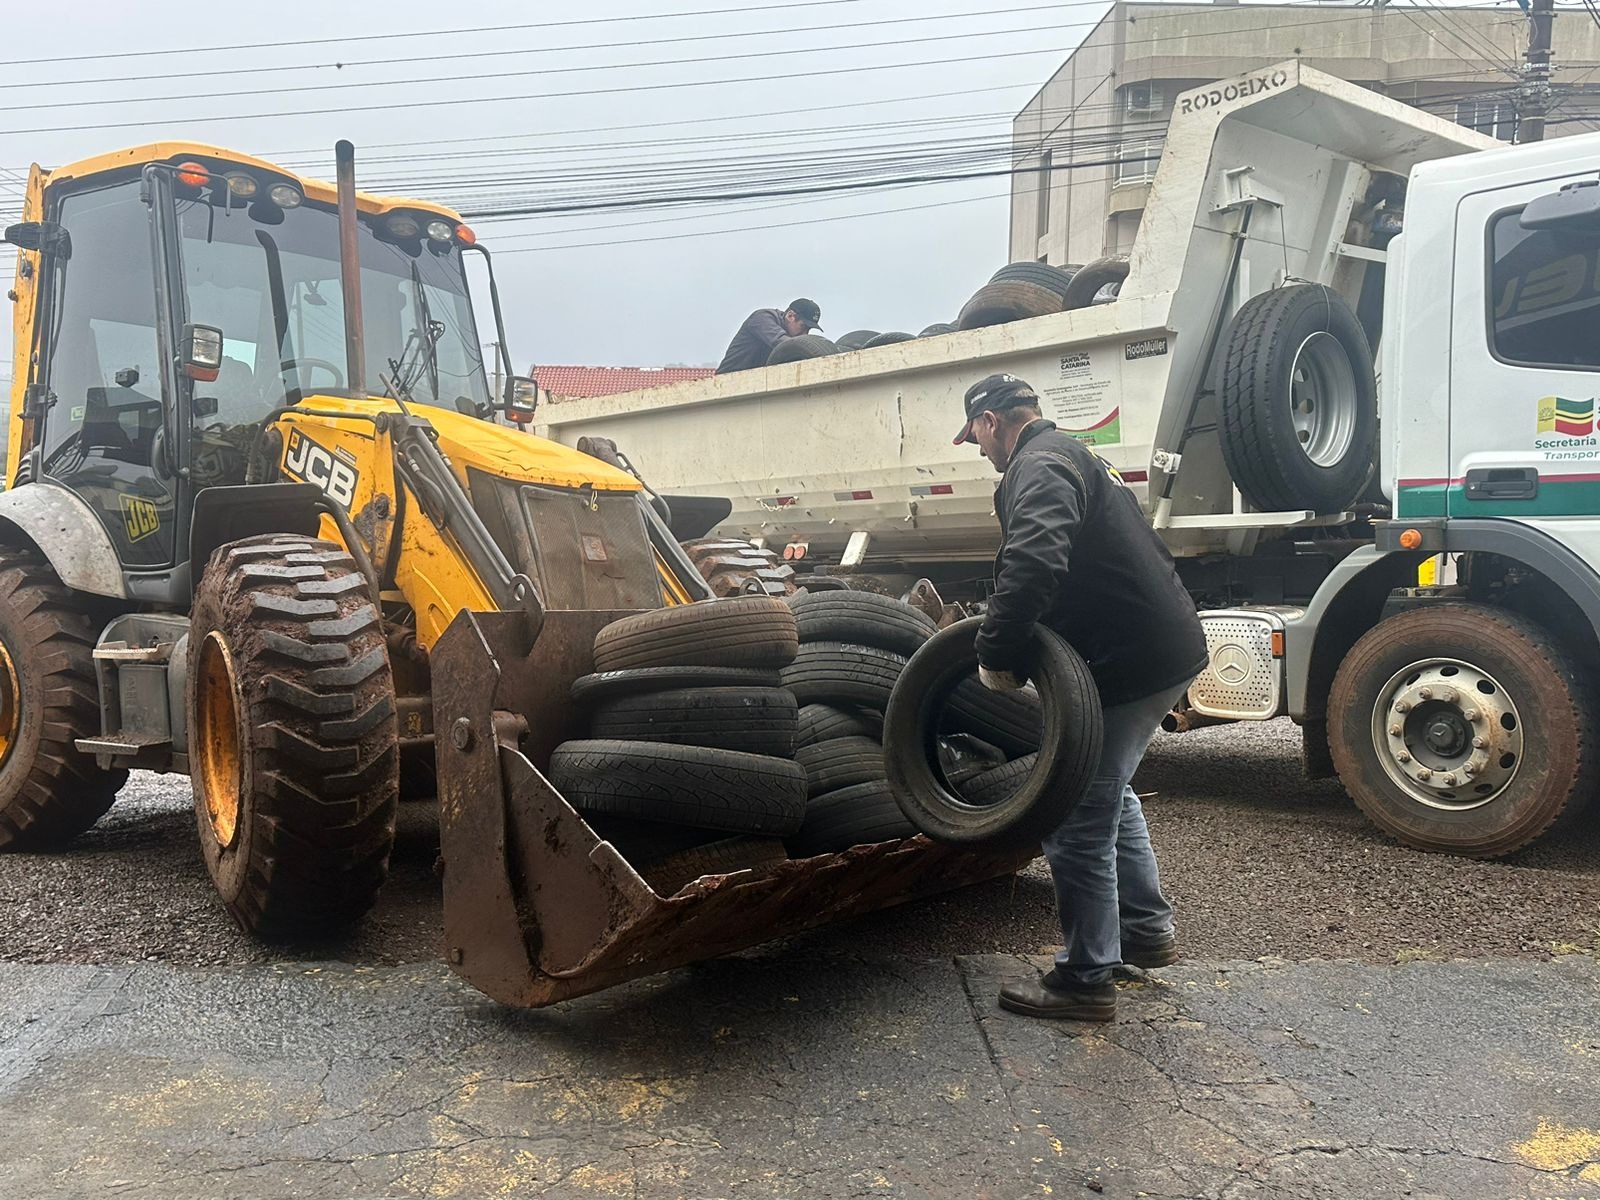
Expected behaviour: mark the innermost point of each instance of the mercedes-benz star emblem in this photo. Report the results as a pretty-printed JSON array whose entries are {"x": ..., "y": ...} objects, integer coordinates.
[{"x": 1231, "y": 664}]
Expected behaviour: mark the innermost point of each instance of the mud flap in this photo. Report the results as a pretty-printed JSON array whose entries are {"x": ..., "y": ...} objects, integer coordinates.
[{"x": 537, "y": 908}]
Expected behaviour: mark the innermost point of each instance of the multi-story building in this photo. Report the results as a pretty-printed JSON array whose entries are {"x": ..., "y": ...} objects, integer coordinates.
[{"x": 1086, "y": 145}]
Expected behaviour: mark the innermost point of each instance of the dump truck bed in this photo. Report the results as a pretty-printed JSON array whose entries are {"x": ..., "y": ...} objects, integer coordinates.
[{"x": 1262, "y": 180}]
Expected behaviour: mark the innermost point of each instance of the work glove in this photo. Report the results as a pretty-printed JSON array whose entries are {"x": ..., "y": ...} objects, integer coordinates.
[{"x": 999, "y": 681}]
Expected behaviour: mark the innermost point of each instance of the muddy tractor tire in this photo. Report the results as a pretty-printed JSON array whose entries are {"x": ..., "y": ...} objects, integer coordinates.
[
  {"x": 49, "y": 792},
  {"x": 293, "y": 740},
  {"x": 1463, "y": 729},
  {"x": 745, "y": 631},
  {"x": 735, "y": 568},
  {"x": 1299, "y": 401}
]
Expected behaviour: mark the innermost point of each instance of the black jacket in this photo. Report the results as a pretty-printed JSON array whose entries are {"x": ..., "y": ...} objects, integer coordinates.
[
  {"x": 752, "y": 345},
  {"x": 1077, "y": 556}
]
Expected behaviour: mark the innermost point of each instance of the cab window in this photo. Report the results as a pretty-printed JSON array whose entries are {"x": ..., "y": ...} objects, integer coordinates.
[{"x": 1544, "y": 295}]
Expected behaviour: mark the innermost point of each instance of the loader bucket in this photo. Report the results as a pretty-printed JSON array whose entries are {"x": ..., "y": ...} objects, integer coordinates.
[{"x": 537, "y": 907}]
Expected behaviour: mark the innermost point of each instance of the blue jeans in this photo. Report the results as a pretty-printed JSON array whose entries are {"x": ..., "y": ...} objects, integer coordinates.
[{"x": 1107, "y": 885}]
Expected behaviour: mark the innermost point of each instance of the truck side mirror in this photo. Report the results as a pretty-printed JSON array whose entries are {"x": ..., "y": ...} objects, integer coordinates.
[
  {"x": 200, "y": 353},
  {"x": 1575, "y": 207},
  {"x": 522, "y": 398},
  {"x": 47, "y": 237}
]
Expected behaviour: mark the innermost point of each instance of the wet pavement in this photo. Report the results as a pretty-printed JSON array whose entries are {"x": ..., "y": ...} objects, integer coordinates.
[{"x": 802, "y": 1075}]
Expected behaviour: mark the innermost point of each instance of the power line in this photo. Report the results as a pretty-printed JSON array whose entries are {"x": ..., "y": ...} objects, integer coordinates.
[
  {"x": 388, "y": 37},
  {"x": 544, "y": 71},
  {"x": 478, "y": 54}
]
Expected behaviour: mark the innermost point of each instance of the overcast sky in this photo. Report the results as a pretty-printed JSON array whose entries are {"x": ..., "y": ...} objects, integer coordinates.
[{"x": 629, "y": 301}]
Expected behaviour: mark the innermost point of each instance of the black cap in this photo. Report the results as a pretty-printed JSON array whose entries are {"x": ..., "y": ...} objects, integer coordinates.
[
  {"x": 994, "y": 394},
  {"x": 807, "y": 311}
]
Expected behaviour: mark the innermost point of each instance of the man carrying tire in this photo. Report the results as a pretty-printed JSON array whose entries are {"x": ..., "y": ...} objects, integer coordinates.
[
  {"x": 1077, "y": 556},
  {"x": 765, "y": 328}
]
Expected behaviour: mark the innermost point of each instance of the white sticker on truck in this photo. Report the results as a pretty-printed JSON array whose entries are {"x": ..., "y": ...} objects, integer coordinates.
[{"x": 1082, "y": 402}]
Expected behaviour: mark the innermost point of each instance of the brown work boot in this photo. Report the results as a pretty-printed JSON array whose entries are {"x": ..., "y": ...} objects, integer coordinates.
[
  {"x": 1049, "y": 996},
  {"x": 1162, "y": 952}
]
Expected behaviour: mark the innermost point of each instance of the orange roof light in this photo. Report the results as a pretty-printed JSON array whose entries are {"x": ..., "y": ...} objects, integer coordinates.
[
  {"x": 192, "y": 174},
  {"x": 465, "y": 236},
  {"x": 1411, "y": 539}
]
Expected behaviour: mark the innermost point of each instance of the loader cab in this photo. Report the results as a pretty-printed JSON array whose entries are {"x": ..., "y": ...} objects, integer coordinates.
[{"x": 136, "y": 253}]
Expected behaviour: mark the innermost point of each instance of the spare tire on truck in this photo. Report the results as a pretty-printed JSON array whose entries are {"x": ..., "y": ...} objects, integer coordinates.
[
  {"x": 1299, "y": 400},
  {"x": 807, "y": 345}
]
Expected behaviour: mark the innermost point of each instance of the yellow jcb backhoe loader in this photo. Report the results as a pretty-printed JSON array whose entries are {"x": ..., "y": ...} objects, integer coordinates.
[{"x": 265, "y": 524}]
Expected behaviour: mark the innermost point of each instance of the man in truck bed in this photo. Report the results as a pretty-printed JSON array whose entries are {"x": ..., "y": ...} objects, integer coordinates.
[
  {"x": 764, "y": 329},
  {"x": 1077, "y": 556}
]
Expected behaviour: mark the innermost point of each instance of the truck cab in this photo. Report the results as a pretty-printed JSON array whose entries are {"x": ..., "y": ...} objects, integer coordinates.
[{"x": 1460, "y": 714}]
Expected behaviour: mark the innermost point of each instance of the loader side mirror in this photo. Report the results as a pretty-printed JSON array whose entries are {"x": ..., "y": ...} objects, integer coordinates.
[
  {"x": 200, "y": 352},
  {"x": 47, "y": 237},
  {"x": 522, "y": 399},
  {"x": 1576, "y": 207}
]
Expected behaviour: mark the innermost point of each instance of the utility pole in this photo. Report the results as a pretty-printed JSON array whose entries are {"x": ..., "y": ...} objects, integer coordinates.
[{"x": 1533, "y": 98}]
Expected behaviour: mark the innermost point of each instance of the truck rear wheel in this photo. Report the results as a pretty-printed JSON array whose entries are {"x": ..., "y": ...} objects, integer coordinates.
[
  {"x": 1462, "y": 729},
  {"x": 1299, "y": 400},
  {"x": 49, "y": 792},
  {"x": 293, "y": 742}
]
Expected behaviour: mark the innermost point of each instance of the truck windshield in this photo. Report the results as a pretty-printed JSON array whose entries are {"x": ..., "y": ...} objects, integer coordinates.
[{"x": 272, "y": 287}]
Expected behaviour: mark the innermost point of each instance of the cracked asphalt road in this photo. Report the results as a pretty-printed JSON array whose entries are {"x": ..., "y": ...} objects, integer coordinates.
[
  {"x": 800, "y": 1076},
  {"x": 1449, "y": 1050}
]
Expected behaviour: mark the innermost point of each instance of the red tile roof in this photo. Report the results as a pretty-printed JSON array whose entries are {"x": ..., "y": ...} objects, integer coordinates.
[{"x": 576, "y": 382}]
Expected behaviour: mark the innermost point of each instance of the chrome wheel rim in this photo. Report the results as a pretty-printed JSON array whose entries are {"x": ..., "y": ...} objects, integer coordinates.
[{"x": 1322, "y": 399}]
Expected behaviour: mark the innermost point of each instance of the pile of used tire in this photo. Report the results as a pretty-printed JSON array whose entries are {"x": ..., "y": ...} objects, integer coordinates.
[
  {"x": 1021, "y": 290},
  {"x": 853, "y": 646},
  {"x": 689, "y": 768}
]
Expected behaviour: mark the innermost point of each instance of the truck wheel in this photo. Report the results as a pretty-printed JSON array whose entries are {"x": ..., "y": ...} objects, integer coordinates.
[
  {"x": 864, "y": 618},
  {"x": 745, "y": 631},
  {"x": 735, "y": 568},
  {"x": 754, "y": 720},
  {"x": 1299, "y": 400},
  {"x": 1088, "y": 279},
  {"x": 1462, "y": 729},
  {"x": 682, "y": 785},
  {"x": 293, "y": 740},
  {"x": 807, "y": 345},
  {"x": 49, "y": 792}
]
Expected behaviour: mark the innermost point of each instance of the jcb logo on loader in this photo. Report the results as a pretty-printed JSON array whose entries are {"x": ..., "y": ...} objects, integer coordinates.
[
  {"x": 140, "y": 518},
  {"x": 305, "y": 460}
]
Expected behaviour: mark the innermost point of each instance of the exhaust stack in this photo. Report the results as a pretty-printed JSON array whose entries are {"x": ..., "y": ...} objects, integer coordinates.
[{"x": 355, "y": 352}]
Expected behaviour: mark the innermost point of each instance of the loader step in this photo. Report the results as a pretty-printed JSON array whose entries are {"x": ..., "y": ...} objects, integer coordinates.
[{"x": 127, "y": 743}]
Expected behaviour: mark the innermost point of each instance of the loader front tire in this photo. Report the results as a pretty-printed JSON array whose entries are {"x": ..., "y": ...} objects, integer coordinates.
[
  {"x": 49, "y": 792},
  {"x": 293, "y": 741}
]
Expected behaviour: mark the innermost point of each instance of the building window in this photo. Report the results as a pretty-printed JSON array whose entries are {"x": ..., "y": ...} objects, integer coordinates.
[
  {"x": 1136, "y": 161},
  {"x": 1497, "y": 119},
  {"x": 1043, "y": 219}
]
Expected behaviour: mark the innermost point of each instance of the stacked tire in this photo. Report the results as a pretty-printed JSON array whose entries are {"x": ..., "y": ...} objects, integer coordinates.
[
  {"x": 852, "y": 648},
  {"x": 689, "y": 767}
]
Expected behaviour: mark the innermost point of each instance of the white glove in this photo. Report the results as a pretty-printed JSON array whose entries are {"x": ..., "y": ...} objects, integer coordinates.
[{"x": 999, "y": 681}]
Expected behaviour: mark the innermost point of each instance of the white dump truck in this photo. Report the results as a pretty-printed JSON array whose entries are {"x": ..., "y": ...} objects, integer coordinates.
[{"x": 1233, "y": 384}]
